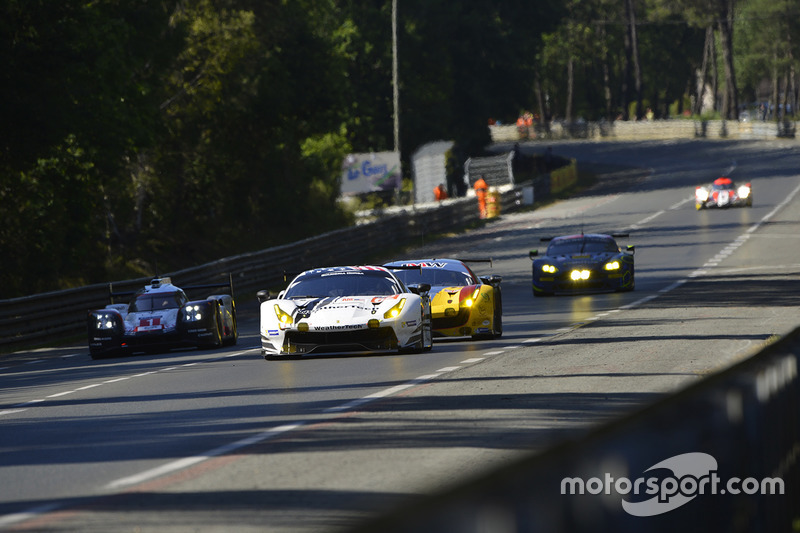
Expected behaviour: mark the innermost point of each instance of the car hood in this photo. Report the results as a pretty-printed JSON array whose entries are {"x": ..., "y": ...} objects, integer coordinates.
[
  {"x": 330, "y": 311},
  {"x": 151, "y": 321}
]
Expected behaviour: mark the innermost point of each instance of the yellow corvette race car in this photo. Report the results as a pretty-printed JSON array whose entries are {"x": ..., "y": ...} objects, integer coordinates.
[{"x": 462, "y": 304}]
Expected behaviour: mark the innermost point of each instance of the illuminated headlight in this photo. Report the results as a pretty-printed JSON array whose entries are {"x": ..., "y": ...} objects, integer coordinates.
[
  {"x": 104, "y": 321},
  {"x": 744, "y": 191},
  {"x": 193, "y": 312},
  {"x": 550, "y": 269},
  {"x": 468, "y": 302},
  {"x": 283, "y": 317},
  {"x": 701, "y": 194},
  {"x": 613, "y": 265},
  {"x": 579, "y": 274},
  {"x": 395, "y": 310}
]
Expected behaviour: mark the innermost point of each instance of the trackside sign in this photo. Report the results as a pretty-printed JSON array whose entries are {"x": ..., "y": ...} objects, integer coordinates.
[
  {"x": 670, "y": 484},
  {"x": 377, "y": 171}
]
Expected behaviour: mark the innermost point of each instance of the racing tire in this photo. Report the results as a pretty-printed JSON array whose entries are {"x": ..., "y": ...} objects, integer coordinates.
[
  {"x": 234, "y": 338},
  {"x": 217, "y": 328},
  {"x": 497, "y": 322},
  {"x": 429, "y": 329}
]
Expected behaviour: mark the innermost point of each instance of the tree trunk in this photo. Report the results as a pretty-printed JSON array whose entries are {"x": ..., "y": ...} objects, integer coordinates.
[
  {"x": 625, "y": 90},
  {"x": 637, "y": 71},
  {"x": 701, "y": 85},
  {"x": 730, "y": 102},
  {"x": 570, "y": 83},
  {"x": 540, "y": 100}
]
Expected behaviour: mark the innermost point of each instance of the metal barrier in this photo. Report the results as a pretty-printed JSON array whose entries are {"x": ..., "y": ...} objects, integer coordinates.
[
  {"x": 736, "y": 431},
  {"x": 653, "y": 130},
  {"x": 53, "y": 316}
]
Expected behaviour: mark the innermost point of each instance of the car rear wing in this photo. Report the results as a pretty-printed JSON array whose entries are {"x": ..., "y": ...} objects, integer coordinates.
[{"x": 120, "y": 294}]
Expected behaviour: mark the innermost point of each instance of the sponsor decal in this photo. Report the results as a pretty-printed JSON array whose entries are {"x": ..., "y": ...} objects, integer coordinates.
[
  {"x": 409, "y": 324},
  {"x": 272, "y": 332},
  {"x": 674, "y": 482},
  {"x": 339, "y": 328}
]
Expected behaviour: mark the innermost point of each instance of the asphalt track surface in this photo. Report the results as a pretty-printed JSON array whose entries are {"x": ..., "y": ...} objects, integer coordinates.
[{"x": 225, "y": 441}]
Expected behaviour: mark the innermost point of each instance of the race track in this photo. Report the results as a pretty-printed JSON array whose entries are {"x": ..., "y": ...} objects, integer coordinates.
[{"x": 225, "y": 441}]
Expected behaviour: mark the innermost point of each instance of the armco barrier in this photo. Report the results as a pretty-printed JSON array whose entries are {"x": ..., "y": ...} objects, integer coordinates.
[
  {"x": 652, "y": 130},
  {"x": 743, "y": 423},
  {"x": 53, "y": 316}
]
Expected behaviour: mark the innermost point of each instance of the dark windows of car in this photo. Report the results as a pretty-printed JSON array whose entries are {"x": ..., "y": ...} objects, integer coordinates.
[
  {"x": 343, "y": 283},
  {"x": 157, "y": 301},
  {"x": 579, "y": 246},
  {"x": 435, "y": 277}
]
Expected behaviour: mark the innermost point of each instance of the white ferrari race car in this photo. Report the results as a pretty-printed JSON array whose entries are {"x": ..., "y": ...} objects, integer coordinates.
[
  {"x": 346, "y": 309},
  {"x": 160, "y": 316}
]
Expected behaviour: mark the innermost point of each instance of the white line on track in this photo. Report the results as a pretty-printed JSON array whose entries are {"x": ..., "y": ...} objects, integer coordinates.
[
  {"x": 180, "y": 464},
  {"x": 109, "y": 381}
]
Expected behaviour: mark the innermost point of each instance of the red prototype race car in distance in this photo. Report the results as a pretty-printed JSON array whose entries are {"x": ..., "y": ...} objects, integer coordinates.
[{"x": 723, "y": 192}]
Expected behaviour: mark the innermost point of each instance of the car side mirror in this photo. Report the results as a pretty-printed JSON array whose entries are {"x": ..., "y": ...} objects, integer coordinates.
[
  {"x": 533, "y": 253},
  {"x": 493, "y": 280},
  {"x": 419, "y": 288},
  {"x": 263, "y": 296},
  {"x": 631, "y": 248}
]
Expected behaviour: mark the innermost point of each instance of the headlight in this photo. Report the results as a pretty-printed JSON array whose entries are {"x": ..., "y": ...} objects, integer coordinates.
[
  {"x": 283, "y": 317},
  {"x": 395, "y": 311},
  {"x": 468, "y": 302},
  {"x": 701, "y": 194},
  {"x": 579, "y": 274},
  {"x": 744, "y": 191},
  {"x": 193, "y": 312},
  {"x": 613, "y": 265},
  {"x": 104, "y": 321},
  {"x": 550, "y": 269}
]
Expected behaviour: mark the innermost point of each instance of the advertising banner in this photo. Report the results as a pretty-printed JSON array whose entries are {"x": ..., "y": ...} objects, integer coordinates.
[{"x": 378, "y": 171}]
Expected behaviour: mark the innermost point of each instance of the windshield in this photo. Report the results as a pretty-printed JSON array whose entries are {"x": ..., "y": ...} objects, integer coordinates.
[
  {"x": 157, "y": 301},
  {"x": 348, "y": 283},
  {"x": 581, "y": 246},
  {"x": 435, "y": 277}
]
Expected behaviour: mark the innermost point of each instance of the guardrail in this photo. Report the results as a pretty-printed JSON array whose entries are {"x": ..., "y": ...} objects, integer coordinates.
[
  {"x": 52, "y": 316},
  {"x": 650, "y": 130},
  {"x": 736, "y": 431}
]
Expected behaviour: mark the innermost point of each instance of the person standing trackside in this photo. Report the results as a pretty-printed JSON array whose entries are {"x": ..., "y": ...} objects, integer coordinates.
[
  {"x": 480, "y": 191},
  {"x": 440, "y": 193}
]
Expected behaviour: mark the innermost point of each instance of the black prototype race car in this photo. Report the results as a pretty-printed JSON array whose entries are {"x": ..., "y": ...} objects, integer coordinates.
[
  {"x": 160, "y": 316},
  {"x": 583, "y": 263}
]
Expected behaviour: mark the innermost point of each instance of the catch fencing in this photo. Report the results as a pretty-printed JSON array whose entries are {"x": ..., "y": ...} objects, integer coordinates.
[{"x": 723, "y": 454}]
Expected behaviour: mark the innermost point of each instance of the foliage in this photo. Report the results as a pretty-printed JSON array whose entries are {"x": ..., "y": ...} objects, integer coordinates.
[{"x": 164, "y": 133}]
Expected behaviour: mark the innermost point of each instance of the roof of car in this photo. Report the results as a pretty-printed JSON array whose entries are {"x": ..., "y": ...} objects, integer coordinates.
[
  {"x": 426, "y": 262},
  {"x": 159, "y": 285},
  {"x": 597, "y": 236}
]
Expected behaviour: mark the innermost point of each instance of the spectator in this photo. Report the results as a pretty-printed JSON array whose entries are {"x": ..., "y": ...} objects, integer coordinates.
[
  {"x": 440, "y": 193},
  {"x": 480, "y": 191}
]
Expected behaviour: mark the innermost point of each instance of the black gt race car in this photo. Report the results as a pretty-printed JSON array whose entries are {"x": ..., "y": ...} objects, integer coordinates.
[
  {"x": 161, "y": 316},
  {"x": 583, "y": 263},
  {"x": 462, "y": 303},
  {"x": 723, "y": 192}
]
